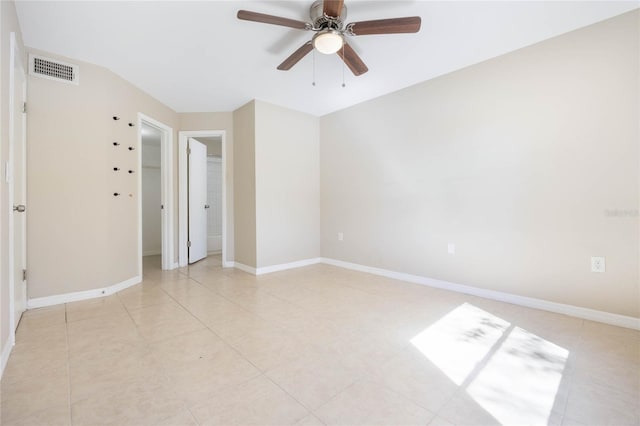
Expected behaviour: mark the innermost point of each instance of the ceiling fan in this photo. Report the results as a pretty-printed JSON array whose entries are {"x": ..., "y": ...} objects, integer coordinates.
[{"x": 328, "y": 22}]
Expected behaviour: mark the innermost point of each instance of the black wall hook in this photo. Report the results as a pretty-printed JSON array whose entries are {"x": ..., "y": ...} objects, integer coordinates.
[
  {"x": 116, "y": 118},
  {"x": 131, "y": 124},
  {"x": 115, "y": 169},
  {"x": 115, "y": 194},
  {"x": 131, "y": 148},
  {"x": 116, "y": 143},
  {"x": 131, "y": 171}
]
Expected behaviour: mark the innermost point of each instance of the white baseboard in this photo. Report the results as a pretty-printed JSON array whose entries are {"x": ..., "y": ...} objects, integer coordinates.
[
  {"x": 152, "y": 253},
  {"x": 273, "y": 268},
  {"x": 245, "y": 268},
  {"x": 6, "y": 352},
  {"x": 285, "y": 266},
  {"x": 171, "y": 266},
  {"x": 58, "y": 299},
  {"x": 575, "y": 311},
  {"x": 560, "y": 308},
  {"x": 228, "y": 264}
]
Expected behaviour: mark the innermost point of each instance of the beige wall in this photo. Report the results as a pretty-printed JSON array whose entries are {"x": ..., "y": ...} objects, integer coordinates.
[
  {"x": 8, "y": 24},
  {"x": 287, "y": 152},
  {"x": 276, "y": 185},
  {"x": 244, "y": 177},
  {"x": 81, "y": 237},
  {"x": 520, "y": 161},
  {"x": 218, "y": 121}
]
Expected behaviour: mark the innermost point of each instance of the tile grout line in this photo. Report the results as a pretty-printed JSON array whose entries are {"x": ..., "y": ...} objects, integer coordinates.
[
  {"x": 262, "y": 373},
  {"x": 571, "y": 373},
  {"x": 189, "y": 408},
  {"x": 148, "y": 348},
  {"x": 477, "y": 369},
  {"x": 359, "y": 379}
]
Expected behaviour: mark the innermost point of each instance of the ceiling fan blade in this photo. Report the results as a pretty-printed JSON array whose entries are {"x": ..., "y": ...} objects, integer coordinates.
[
  {"x": 410, "y": 24},
  {"x": 353, "y": 61},
  {"x": 247, "y": 15},
  {"x": 332, "y": 7},
  {"x": 296, "y": 56}
]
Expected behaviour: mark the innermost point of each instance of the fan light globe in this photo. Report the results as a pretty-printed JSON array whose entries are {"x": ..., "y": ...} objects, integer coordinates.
[{"x": 328, "y": 42}]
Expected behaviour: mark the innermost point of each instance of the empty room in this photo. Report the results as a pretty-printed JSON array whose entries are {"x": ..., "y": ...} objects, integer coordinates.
[{"x": 320, "y": 213}]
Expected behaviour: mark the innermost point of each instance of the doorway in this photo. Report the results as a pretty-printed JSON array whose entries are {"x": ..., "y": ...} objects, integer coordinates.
[
  {"x": 202, "y": 196},
  {"x": 16, "y": 172},
  {"x": 155, "y": 186},
  {"x": 214, "y": 197},
  {"x": 151, "y": 191}
]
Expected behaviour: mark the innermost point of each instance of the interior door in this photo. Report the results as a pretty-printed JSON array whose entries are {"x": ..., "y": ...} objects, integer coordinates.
[
  {"x": 197, "y": 200},
  {"x": 18, "y": 182}
]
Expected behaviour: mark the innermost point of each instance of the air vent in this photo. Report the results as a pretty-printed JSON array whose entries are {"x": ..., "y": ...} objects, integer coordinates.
[{"x": 51, "y": 69}]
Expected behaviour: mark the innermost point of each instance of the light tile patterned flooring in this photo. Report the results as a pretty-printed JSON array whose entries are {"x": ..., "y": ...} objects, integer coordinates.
[{"x": 312, "y": 346}]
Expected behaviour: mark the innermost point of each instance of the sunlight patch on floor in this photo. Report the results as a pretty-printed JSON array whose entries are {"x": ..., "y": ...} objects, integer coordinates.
[
  {"x": 520, "y": 381},
  {"x": 460, "y": 340},
  {"x": 511, "y": 373}
]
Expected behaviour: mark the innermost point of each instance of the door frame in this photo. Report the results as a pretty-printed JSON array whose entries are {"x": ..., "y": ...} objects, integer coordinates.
[
  {"x": 15, "y": 55},
  {"x": 166, "y": 191},
  {"x": 183, "y": 189}
]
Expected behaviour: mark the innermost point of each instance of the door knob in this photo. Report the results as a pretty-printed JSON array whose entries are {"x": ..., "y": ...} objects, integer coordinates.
[{"x": 20, "y": 208}]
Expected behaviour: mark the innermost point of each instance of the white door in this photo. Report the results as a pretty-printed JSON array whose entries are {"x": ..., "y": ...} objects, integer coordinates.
[
  {"x": 17, "y": 158},
  {"x": 197, "y": 201}
]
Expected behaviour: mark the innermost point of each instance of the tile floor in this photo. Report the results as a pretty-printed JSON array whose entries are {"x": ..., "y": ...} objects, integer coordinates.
[{"x": 312, "y": 346}]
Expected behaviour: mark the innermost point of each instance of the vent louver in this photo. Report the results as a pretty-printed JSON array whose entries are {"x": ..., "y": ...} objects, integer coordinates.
[{"x": 52, "y": 69}]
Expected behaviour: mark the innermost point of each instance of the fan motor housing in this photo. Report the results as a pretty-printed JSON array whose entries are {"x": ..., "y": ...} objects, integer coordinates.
[{"x": 319, "y": 19}]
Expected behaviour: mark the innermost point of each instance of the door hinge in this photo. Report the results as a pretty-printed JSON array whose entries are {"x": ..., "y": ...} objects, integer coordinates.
[
  {"x": 188, "y": 243},
  {"x": 24, "y": 275},
  {"x": 161, "y": 206},
  {"x": 24, "y": 107},
  {"x": 188, "y": 151}
]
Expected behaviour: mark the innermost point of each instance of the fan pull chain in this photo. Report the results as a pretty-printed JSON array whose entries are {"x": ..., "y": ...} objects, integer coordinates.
[
  {"x": 343, "y": 85},
  {"x": 313, "y": 83}
]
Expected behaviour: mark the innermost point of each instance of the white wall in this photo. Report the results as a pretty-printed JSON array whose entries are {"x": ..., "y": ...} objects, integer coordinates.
[
  {"x": 523, "y": 161},
  {"x": 277, "y": 185},
  {"x": 151, "y": 193},
  {"x": 287, "y": 158}
]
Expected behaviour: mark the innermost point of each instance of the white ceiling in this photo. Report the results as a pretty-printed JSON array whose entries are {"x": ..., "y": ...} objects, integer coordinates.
[{"x": 197, "y": 56}]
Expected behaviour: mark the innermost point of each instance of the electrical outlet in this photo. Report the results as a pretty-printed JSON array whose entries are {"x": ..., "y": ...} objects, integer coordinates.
[
  {"x": 451, "y": 248},
  {"x": 597, "y": 264},
  {"x": 340, "y": 236}
]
